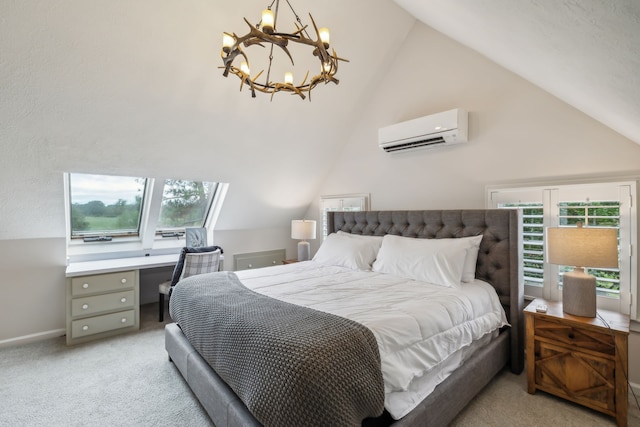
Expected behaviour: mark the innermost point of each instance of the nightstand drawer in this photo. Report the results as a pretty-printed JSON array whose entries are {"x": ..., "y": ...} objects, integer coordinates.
[
  {"x": 100, "y": 303},
  {"x": 591, "y": 381},
  {"x": 582, "y": 338},
  {"x": 98, "y": 283},
  {"x": 97, "y": 324}
]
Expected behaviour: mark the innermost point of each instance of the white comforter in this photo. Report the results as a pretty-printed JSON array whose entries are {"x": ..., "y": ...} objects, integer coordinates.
[{"x": 418, "y": 326}]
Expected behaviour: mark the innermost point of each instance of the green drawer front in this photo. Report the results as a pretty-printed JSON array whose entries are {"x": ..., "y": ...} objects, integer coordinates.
[
  {"x": 100, "y": 303},
  {"x": 87, "y": 285},
  {"x": 107, "y": 322}
]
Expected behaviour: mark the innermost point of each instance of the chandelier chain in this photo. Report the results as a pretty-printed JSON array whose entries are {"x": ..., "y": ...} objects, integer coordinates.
[{"x": 298, "y": 19}]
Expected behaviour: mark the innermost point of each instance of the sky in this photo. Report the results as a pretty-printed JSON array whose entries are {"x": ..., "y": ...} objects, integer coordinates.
[{"x": 109, "y": 189}]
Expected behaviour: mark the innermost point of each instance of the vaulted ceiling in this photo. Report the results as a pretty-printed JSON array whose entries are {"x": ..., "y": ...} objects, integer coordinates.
[
  {"x": 134, "y": 88},
  {"x": 585, "y": 52}
]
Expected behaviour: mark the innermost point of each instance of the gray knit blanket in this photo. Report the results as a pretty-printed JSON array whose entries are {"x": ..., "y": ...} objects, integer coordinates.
[{"x": 290, "y": 365}]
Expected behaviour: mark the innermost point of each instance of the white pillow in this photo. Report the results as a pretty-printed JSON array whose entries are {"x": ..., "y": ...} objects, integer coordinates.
[
  {"x": 469, "y": 271},
  {"x": 374, "y": 240},
  {"x": 438, "y": 261},
  {"x": 346, "y": 251}
]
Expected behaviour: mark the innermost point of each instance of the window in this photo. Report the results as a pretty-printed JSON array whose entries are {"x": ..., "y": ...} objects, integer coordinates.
[
  {"x": 343, "y": 203},
  {"x": 184, "y": 204},
  {"x": 111, "y": 216},
  {"x": 595, "y": 205},
  {"x": 532, "y": 242},
  {"x": 105, "y": 205}
]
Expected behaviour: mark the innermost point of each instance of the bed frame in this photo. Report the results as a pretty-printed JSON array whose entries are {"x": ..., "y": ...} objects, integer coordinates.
[{"x": 499, "y": 261}]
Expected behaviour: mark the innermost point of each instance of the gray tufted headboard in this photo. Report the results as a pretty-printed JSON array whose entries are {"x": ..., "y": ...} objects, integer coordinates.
[{"x": 499, "y": 258}]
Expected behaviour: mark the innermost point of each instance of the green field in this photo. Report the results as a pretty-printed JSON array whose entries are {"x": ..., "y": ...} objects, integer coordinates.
[{"x": 101, "y": 223}]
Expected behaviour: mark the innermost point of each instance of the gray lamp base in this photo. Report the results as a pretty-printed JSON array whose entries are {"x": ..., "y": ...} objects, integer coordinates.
[
  {"x": 579, "y": 293},
  {"x": 303, "y": 251}
]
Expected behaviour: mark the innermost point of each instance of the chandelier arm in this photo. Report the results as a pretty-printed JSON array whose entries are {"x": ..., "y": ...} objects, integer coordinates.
[
  {"x": 228, "y": 61},
  {"x": 255, "y": 33}
]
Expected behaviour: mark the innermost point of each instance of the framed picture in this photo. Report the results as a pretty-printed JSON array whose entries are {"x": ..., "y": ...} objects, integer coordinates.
[{"x": 196, "y": 237}]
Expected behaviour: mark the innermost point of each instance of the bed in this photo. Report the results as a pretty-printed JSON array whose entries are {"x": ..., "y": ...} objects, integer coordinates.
[{"x": 498, "y": 261}]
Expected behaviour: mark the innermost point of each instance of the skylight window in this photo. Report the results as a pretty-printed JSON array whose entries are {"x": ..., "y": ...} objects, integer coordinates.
[
  {"x": 185, "y": 204},
  {"x": 105, "y": 206},
  {"x": 124, "y": 216}
]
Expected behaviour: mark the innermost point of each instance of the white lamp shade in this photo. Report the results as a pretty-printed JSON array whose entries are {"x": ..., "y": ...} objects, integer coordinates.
[
  {"x": 582, "y": 247},
  {"x": 303, "y": 229}
]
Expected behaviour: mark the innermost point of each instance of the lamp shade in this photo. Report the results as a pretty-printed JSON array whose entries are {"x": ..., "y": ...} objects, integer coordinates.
[
  {"x": 582, "y": 247},
  {"x": 303, "y": 229}
]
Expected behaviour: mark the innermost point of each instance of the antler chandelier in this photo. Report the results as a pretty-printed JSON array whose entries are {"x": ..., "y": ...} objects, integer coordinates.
[{"x": 265, "y": 34}]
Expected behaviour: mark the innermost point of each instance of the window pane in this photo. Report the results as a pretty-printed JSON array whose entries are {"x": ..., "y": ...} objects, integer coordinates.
[
  {"x": 594, "y": 214},
  {"x": 102, "y": 204},
  {"x": 185, "y": 204},
  {"x": 532, "y": 241},
  {"x": 340, "y": 204}
]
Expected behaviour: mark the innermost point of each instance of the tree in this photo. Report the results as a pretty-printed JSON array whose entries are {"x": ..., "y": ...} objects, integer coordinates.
[{"x": 184, "y": 203}]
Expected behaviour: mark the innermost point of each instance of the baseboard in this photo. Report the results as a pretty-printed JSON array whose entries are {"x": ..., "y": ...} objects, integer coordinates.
[
  {"x": 635, "y": 387},
  {"x": 32, "y": 338}
]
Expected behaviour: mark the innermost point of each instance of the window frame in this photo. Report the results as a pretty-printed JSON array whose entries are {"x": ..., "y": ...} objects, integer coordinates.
[
  {"x": 113, "y": 233},
  {"x": 338, "y": 201},
  {"x": 551, "y": 196},
  {"x": 148, "y": 241}
]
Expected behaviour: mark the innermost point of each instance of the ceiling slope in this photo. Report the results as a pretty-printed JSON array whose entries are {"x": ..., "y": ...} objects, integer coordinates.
[{"x": 585, "y": 52}]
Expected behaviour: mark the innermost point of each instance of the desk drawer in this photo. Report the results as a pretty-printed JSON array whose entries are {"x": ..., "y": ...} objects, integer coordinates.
[
  {"x": 97, "y": 324},
  {"x": 87, "y": 285},
  {"x": 574, "y": 337},
  {"x": 258, "y": 259},
  {"x": 99, "y": 303}
]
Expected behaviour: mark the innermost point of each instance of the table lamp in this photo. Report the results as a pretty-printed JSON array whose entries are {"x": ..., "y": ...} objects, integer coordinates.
[
  {"x": 581, "y": 247},
  {"x": 304, "y": 230}
]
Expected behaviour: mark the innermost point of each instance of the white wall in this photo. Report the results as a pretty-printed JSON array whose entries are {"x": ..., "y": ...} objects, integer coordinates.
[
  {"x": 119, "y": 88},
  {"x": 518, "y": 133}
]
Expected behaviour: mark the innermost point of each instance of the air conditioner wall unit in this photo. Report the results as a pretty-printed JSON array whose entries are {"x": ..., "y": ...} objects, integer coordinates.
[{"x": 446, "y": 128}]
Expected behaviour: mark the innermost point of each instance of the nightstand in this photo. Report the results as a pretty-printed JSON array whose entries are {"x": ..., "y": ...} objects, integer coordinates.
[
  {"x": 290, "y": 261},
  {"x": 579, "y": 358}
]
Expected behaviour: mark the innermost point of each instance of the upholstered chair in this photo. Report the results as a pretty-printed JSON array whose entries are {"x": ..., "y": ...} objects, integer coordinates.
[{"x": 192, "y": 261}]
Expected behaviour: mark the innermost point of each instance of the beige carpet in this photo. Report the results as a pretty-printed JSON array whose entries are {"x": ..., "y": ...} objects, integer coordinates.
[{"x": 128, "y": 381}]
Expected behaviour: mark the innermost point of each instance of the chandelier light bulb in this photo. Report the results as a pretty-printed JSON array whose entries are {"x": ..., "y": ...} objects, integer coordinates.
[
  {"x": 227, "y": 42},
  {"x": 326, "y": 67},
  {"x": 244, "y": 67},
  {"x": 288, "y": 78},
  {"x": 268, "y": 21},
  {"x": 324, "y": 36}
]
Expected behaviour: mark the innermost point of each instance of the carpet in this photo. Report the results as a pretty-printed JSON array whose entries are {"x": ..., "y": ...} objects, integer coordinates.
[{"x": 128, "y": 381}]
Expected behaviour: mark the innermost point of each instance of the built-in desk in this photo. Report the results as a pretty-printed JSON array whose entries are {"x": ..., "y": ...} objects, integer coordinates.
[
  {"x": 120, "y": 264},
  {"x": 103, "y": 297}
]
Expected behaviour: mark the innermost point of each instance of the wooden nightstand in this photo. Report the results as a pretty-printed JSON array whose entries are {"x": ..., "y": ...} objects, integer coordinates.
[
  {"x": 290, "y": 261},
  {"x": 579, "y": 358}
]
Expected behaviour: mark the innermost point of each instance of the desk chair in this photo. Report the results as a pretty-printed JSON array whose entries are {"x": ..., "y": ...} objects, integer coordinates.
[{"x": 192, "y": 261}]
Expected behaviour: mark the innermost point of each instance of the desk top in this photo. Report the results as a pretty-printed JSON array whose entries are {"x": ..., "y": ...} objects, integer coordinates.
[{"x": 120, "y": 264}]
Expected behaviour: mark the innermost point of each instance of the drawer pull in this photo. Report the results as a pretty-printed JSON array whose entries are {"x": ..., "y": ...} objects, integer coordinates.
[
  {"x": 571, "y": 335},
  {"x": 250, "y": 266},
  {"x": 123, "y": 281},
  {"x": 123, "y": 320},
  {"x": 85, "y": 306},
  {"x": 273, "y": 262},
  {"x": 85, "y": 286},
  {"x": 123, "y": 299},
  {"x": 85, "y": 328}
]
